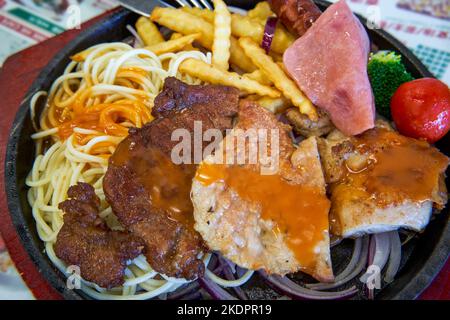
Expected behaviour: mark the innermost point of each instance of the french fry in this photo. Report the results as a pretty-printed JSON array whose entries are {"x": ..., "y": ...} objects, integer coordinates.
[
  {"x": 274, "y": 105},
  {"x": 276, "y": 57},
  {"x": 261, "y": 11},
  {"x": 186, "y": 23},
  {"x": 173, "y": 45},
  {"x": 175, "y": 36},
  {"x": 222, "y": 35},
  {"x": 259, "y": 76},
  {"x": 211, "y": 74},
  {"x": 238, "y": 57},
  {"x": 206, "y": 14},
  {"x": 276, "y": 74},
  {"x": 148, "y": 31},
  {"x": 188, "y": 47},
  {"x": 242, "y": 26}
]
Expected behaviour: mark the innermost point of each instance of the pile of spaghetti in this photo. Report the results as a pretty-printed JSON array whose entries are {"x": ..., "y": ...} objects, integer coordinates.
[{"x": 104, "y": 90}]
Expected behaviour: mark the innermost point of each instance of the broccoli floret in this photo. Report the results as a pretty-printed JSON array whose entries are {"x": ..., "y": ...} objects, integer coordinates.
[{"x": 386, "y": 73}]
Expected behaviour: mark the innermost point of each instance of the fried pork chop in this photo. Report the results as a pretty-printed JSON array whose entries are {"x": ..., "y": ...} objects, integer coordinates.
[
  {"x": 86, "y": 241},
  {"x": 276, "y": 222},
  {"x": 149, "y": 193},
  {"x": 381, "y": 181}
]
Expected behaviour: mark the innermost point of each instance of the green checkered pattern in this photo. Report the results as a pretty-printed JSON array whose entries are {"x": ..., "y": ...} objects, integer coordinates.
[{"x": 436, "y": 60}]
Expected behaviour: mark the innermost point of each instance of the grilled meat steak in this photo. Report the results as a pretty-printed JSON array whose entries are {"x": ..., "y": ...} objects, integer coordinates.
[{"x": 149, "y": 193}]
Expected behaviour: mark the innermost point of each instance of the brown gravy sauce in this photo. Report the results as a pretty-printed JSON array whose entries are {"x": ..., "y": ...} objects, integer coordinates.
[
  {"x": 397, "y": 167},
  {"x": 168, "y": 185}
]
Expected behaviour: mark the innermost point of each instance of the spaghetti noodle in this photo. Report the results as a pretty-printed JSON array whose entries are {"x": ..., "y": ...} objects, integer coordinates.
[{"x": 103, "y": 91}]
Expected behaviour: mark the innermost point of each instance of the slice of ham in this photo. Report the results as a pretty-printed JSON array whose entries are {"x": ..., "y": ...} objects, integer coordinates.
[{"x": 329, "y": 64}]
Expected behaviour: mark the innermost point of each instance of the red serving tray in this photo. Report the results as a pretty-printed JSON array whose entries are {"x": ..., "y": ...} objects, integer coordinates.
[{"x": 16, "y": 76}]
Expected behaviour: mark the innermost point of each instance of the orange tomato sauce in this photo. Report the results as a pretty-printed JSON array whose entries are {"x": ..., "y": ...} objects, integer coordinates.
[
  {"x": 106, "y": 118},
  {"x": 299, "y": 212}
]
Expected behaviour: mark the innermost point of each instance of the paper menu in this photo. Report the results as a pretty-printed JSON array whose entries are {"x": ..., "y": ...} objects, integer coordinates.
[{"x": 24, "y": 23}]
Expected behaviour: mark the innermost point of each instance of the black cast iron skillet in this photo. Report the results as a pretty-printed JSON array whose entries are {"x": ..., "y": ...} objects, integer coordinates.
[{"x": 423, "y": 258}]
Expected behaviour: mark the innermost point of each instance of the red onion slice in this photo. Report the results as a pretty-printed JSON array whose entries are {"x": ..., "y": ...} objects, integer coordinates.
[
  {"x": 334, "y": 241},
  {"x": 394, "y": 257},
  {"x": 216, "y": 291},
  {"x": 240, "y": 271},
  {"x": 289, "y": 288},
  {"x": 357, "y": 248},
  {"x": 229, "y": 275},
  {"x": 382, "y": 249},
  {"x": 269, "y": 32},
  {"x": 184, "y": 291},
  {"x": 371, "y": 252},
  {"x": 370, "y": 258}
]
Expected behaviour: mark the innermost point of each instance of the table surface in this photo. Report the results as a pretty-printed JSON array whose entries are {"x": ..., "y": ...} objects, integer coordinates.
[{"x": 24, "y": 67}]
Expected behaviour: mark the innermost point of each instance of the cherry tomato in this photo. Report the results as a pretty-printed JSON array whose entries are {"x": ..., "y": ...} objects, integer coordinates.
[{"x": 421, "y": 109}]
